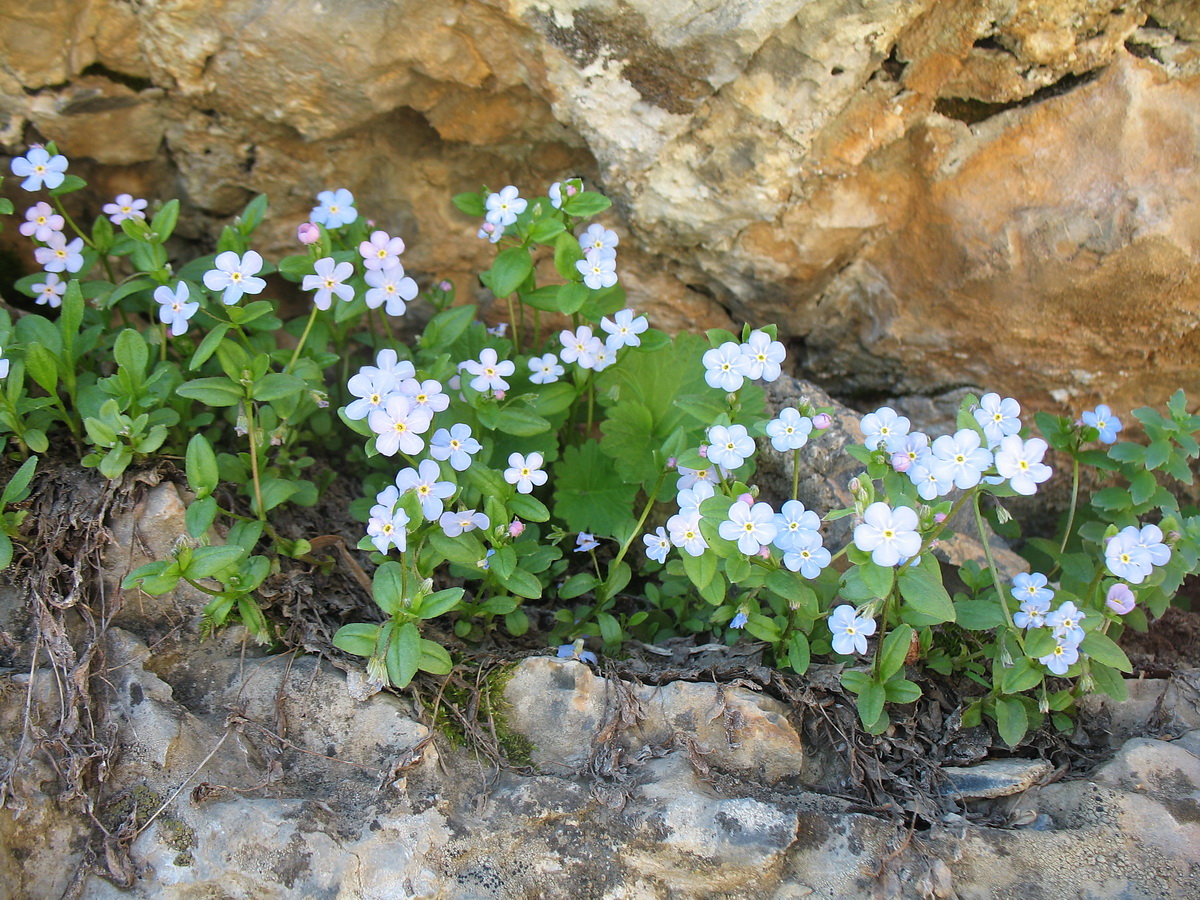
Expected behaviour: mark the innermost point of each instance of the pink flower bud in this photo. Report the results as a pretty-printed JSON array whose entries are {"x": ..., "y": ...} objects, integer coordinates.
[
  {"x": 747, "y": 498},
  {"x": 704, "y": 451},
  {"x": 939, "y": 518},
  {"x": 308, "y": 233},
  {"x": 821, "y": 421},
  {"x": 672, "y": 462},
  {"x": 516, "y": 529},
  {"x": 764, "y": 552},
  {"x": 1120, "y": 599},
  {"x": 487, "y": 227},
  {"x": 500, "y": 395},
  {"x": 901, "y": 462},
  {"x": 571, "y": 190},
  {"x": 445, "y": 286}
]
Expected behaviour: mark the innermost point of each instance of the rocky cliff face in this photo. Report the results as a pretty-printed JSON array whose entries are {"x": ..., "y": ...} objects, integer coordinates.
[{"x": 924, "y": 194}]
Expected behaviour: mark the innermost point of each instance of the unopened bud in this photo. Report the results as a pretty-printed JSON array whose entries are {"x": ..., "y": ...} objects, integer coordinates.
[
  {"x": 308, "y": 233},
  {"x": 746, "y": 498},
  {"x": 445, "y": 286},
  {"x": 516, "y": 528},
  {"x": 500, "y": 394},
  {"x": 704, "y": 451},
  {"x": 821, "y": 421},
  {"x": 764, "y": 552},
  {"x": 901, "y": 462},
  {"x": 1120, "y": 599},
  {"x": 672, "y": 462}
]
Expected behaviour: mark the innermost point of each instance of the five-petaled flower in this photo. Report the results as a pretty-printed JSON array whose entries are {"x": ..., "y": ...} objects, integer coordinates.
[
  {"x": 726, "y": 367},
  {"x": 1021, "y": 463},
  {"x": 598, "y": 271},
  {"x": 545, "y": 369},
  {"x": 125, "y": 207},
  {"x": 60, "y": 256},
  {"x": 489, "y": 371},
  {"x": 585, "y": 542},
  {"x": 729, "y": 446},
  {"x": 850, "y": 631},
  {"x": 174, "y": 309},
  {"x": 335, "y": 210},
  {"x": 998, "y": 417},
  {"x": 398, "y": 425},
  {"x": 808, "y": 556},
  {"x": 50, "y": 292},
  {"x": 235, "y": 275},
  {"x": 38, "y": 167},
  {"x": 1103, "y": 420},
  {"x": 424, "y": 481},
  {"x": 390, "y": 288},
  {"x": 455, "y": 523},
  {"x": 504, "y": 206},
  {"x": 580, "y": 346},
  {"x": 525, "y": 471},
  {"x": 41, "y": 221},
  {"x": 600, "y": 239},
  {"x": 388, "y": 527},
  {"x": 764, "y": 355},
  {"x": 752, "y": 527},
  {"x": 455, "y": 445},
  {"x": 329, "y": 280},
  {"x": 623, "y": 329},
  {"x": 658, "y": 544},
  {"x": 889, "y": 535},
  {"x": 382, "y": 251},
  {"x": 790, "y": 430}
]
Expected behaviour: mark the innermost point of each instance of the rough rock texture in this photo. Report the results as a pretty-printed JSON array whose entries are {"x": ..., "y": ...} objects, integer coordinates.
[
  {"x": 252, "y": 777},
  {"x": 924, "y": 195}
]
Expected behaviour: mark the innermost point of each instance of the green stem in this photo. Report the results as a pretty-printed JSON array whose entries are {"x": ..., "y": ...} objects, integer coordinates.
[
  {"x": 795, "y": 474},
  {"x": 63, "y": 212},
  {"x": 987, "y": 551},
  {"x": 251, "y": 432},
  {"x": 1074, "y": 499},
  {"x": 933, "y": 535},
  {"x": 312, "y": 317},
  {"x": 512, "y": 319},
  {"x": 637, "y": 529},
  {"x": 162, "y": 355}
]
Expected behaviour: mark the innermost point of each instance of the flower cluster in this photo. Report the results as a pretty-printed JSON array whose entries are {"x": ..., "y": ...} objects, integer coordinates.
[
  {"x": 760, "y": 357},
  {"x": 1065, "y": 622}
]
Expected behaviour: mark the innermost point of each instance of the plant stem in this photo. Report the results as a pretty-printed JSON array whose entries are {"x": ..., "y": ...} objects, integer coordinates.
[
  {"x": 251, "y": 432},
  {"x": 58, "y": 203},
  {"x": 637, "y": 529},
  {"x": 1074, "y": 499},
  {"x": 312, "y": 317},
  {"x": 162, "y": 355},
  {"x": 795, "y": 473},
  {"x": 987, "y": 551}
]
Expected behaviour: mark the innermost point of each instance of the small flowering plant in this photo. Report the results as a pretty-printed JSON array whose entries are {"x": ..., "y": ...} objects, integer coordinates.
[{"x": 571, "y": 468}]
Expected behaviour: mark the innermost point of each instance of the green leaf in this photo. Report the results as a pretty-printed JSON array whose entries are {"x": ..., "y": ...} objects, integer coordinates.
[
  {"x": 589, "y": 495},
  {"x": 209, "y": 561},
  {"x": 471, "y": 203},
  {"x": 585, "y": 204},
  {"x": 922, "y": 590},
  {"x": 438, "y": 603},
  {"x": 979, "y": 615},
  {"x": 546, "y": 229},
  {"x": 878, "y": 579},
  {"x": 358, "y": 638},
  {"x": 893, "y": 650},
  {"x": 763, "y": 628},
  {"x": 700, "y": 569},
  {"x": 799, "y": 654},
  {"x": 434, "y": 659},
  {"x": 70, "y": 184},
  {"x": 901, "y": 690},
  {"x": 276, "y": 491},
  {"x": 14, "y": 491},
  {"x": 1158, "y": 453},
  {"x": 1109, "y": 681},
  {"x": 521, "y": 423},
  {"x": 42, "y": 367},
  {"x": 215, "y": 391},
  {"x": 116, "y": 461},
  {"x": 447, "y": 327},
  {"x": 1022, "y": 676},
  {"x": 251, "y": 216},
  {"x": 403, "y": 654},
  {"x": 529, "y": 508},
  {"x": 1142, "y": 486},
  {"x": 1011, "y": 720},
  {"x": 737, "y": 568},
  {"x": 275, "y": 386},
  {"x": 855, "y": 681},
  {"x": 6, "y": 551},
  {"x": 1112, "y": 498},
  {"x": 200, "y": 516},
  {"x": 510, "y": 270},
  {"x": 870, "y": 703},
  {"x": 566, "y": 253},
  {"x": 577, "y": 585},
  {"x": 792, "y": 588},
  {"x": 208, "y": 346},
  {"x": 387, "y": 587},
  {"x": 163, "y": 224},
  {"x": 1105, "y": 651},
  {"x": 201, "y": 466},
  {"x": 523, "y": 584},
  {"x": 572, "y": 297}
]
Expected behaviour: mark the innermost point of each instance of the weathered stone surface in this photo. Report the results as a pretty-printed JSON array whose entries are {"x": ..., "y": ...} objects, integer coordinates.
[
  {"x": 994, "y": 778},
  {"x": 569, "y": 714},
  {"x": 924, "y": 195}
]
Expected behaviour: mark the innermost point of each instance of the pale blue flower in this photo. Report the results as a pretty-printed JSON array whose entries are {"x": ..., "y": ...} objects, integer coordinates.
[
  {"x": 585, "y": 542},
  {"x": 790, "y": 431},
  {"x": 998, "y": 417},
  {"x": 545, "y": 369},
  {"x": 125, "y": 207},
  {"x": 427, "y": 393},
  {"x": 960, "y": 458},
  {"x": 41, "y": 221},
  {"x": 752, "y": 527},
  {"x": 657, "y": 544},
  {"x": 1065, "y": 622},
  {"x": 850, "y": 631},
  {"x": 808, "y": 557},
  {"x": 174, "y": 309},
  {"x": 740, "y": 620},
  {"x": 764, "y": 355},
  {"x": 425, "y": 482},
  {"x": 4, "y": 364},
  {"x": 525, "y": 471},
  {"x": 580, "y": 346},
  {"x": 930, "y": 483},
  {"x": 60, "y": 256},
  {"x": 391, "y": 289},
  {"x": 455, "y": 445},
  {"x": 623, "y": 330},
  {"x": 455, "y": 523},
  {"x": 489, "y": 371},
  {"x": 576, "y": 651},
  {"x": 1150, "y": 539},
  {"x": 1120, "y": 599},
  {"x": 382, "y": 251},
  {"x": 504, "y": 206},
  {"x": 1021, "y": 463},
  {"x": 726, "y": 367},
  {"x": 689, "y": 499},
  {"x": 598, "y": 271},
  {"x": 794, "y": 525},
  {"x": 884, "y": 427},
  {"x": 1126, "y": 558},
  {"x": 329, "y": 281},
  {"x": 599, "y": 238},
  {"x": 387, "y": 527},
  {"x": 889, "y": 535},
  {"x": 685, "y": 533},
  {"x": 38, "y": 167},
  {"x": 1061, "y": 658},
  {"x": 1103, "y": 420},
  {"x": 51, "y": 291},
  {"x": 398, "y": 426},
  {"x": 729, "y": 446},
  {"x": 336, "y": 209},
  {"x": 235, "y": 275}
]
